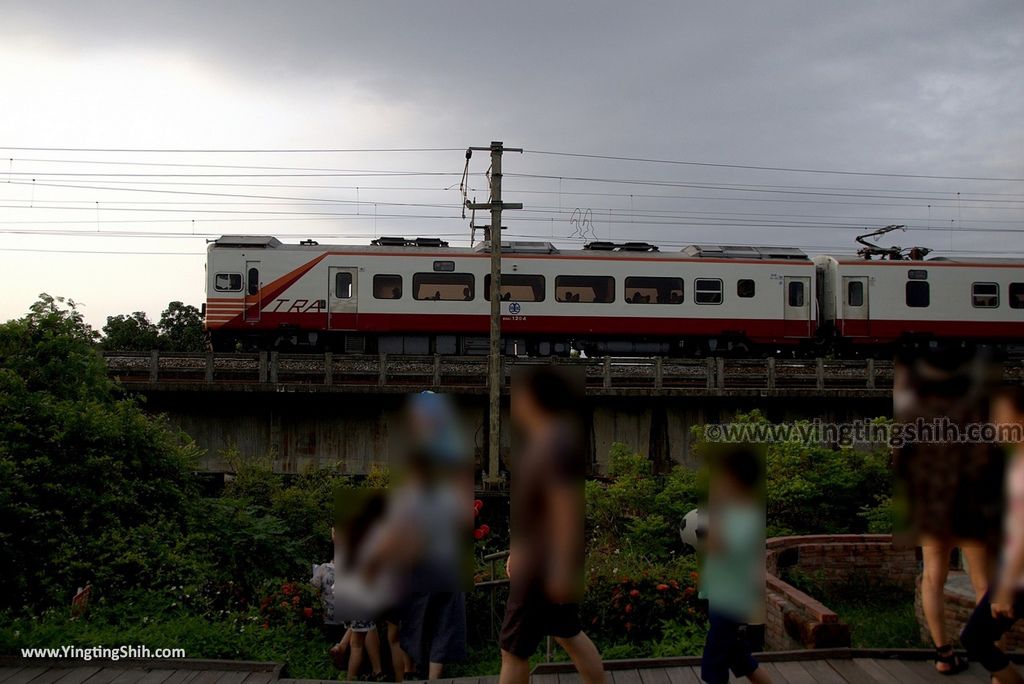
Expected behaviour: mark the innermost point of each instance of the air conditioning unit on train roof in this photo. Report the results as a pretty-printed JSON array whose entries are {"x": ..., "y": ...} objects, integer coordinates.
[
  {"x": 603, "y": 246},
  {"x": 521, "y": 247},
  {"x": 392, "y": 241},
  {"x": 251, "y": 241},
  {"x": 743, "y": 252}
]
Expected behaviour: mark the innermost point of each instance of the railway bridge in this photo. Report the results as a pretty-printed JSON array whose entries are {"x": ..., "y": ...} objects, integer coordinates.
[{"x": 345, "y": 411}]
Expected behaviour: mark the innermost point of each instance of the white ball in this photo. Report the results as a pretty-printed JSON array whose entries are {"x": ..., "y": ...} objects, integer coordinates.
[{"x": 693, "y": 529}]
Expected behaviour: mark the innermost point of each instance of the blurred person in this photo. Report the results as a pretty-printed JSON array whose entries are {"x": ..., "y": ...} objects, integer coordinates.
[
  {"x": 423, "y": 540},
  {"x": 336, "y": 633},
  {"x": 545, "y": 563},
  {"x": 945, "y": 488},
  {"x": 357, "y": 512},
  {"x": 1003, "y": 605},
  {"x": 732, "y": 573}
]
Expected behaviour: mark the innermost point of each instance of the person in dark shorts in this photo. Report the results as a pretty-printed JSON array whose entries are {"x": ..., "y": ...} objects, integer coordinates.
[
  {"x": 732, "y": 569},
  {"x": 545, "y": 563}
]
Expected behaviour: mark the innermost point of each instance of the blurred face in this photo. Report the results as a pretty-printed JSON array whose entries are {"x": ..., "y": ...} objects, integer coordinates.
[{"x": 1004, "y": 412}]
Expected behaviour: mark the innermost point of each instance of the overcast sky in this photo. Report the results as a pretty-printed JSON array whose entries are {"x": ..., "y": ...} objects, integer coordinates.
[{"x": 917, "y": 88}]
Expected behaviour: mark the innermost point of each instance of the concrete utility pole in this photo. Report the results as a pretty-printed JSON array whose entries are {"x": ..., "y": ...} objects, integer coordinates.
[{"x": 494, "y": 377}]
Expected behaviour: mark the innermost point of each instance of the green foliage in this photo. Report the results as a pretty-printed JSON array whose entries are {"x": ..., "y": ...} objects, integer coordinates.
[
  {"x": 157, "y": 623},
  {"x": 637, "y": 511},
  {"x": 130, "y": 333},
  {"x": 814, "y": 489},
  {"x": 92, "y": 488},
  {"x": 634, "y": 608},
  {"x": 181, "y": 328}
]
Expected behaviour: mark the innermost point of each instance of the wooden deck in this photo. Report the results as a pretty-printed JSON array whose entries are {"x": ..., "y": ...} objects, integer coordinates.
[{"x": 834, "y": 666}]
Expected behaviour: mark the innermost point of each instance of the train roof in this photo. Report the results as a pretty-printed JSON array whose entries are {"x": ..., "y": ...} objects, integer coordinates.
[{"x": 640, "y": 249}]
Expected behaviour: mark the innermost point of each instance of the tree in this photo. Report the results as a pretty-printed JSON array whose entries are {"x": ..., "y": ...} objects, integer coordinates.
[
  {"x": 181, "y": 328},
  {"x": 91, "y": 488},
  {"x": 130, "y": 333}
]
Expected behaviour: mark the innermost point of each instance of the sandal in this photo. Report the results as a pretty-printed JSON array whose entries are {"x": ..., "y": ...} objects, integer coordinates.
[{"x": 947, "y": 656}]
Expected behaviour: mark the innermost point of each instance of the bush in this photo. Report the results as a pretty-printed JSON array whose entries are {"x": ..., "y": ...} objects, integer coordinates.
[
  {"x": 814, "y": 489},
  {"x": 91, "y": 488}
]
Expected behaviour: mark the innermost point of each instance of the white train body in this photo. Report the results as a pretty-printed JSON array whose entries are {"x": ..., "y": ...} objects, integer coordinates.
[
  {"x": 421, "y": 297},
  {"x": 879, "y": 302},
  {"x": 427, "y": 299}
]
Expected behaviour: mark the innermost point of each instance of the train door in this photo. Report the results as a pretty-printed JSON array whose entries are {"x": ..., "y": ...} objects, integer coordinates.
[
  {"x": 797, "y": 309},
  {"x": 855, "y": 320},
  {"x": 253, "y": 285},
  {"x": 342, "y": 299}
]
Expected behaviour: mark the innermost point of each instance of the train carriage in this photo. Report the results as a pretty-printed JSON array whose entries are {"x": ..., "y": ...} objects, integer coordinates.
[
  {"x": 881, "y": 302},
  {"x": 421, "y": 296}
]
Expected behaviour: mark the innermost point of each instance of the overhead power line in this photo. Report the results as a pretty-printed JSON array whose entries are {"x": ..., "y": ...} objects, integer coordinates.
[
  {"x": 284, "y": 150},
  {"x": 754, "y": 167}
]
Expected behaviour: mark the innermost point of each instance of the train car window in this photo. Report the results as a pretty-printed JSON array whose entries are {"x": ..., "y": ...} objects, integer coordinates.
[
  {"x": 228, "y": 282},
  {"x": 446, "y": 287},
  {"x": 343, "y": 285},
  {"x": 444, "y": 266},
  {"x": 386, "y": 286},
  {"x": 745, "y": 288},
  {"x": 918, "y": 294},
  {"x": 517, "y": 287},
  {"x": 985, "y": 295},
  {"x": 252, "y": 285},
  {"x": 585, "y": 289},
  {"x": 653, "y": 290},
  {"x": 855, "y": 293},
  {"x": 707, "y": 291},
  {"x": 1016, "y": 292},
  {"x": 917, "y": 274},
  {"x": 796, "y": 293}
]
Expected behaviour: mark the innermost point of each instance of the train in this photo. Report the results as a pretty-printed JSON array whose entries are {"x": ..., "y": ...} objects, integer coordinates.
[{"x": 419, "y": 296}]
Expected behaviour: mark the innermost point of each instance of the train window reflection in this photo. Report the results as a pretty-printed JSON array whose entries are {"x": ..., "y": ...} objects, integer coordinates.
[
  {"x": 707, "y": 291},
  {"x": 985, "y": 295},
  {"x": 652, "y": 290},
  {"x": 446, "y": 287},
  {"x": 386, "y": 286},
  {"x": 228, "y": 282},
  {"x": 585, "y": 289},
  {"x": 517, "y": 287}
]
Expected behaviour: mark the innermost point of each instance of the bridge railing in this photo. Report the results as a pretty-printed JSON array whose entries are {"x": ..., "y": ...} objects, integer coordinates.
[{"x": 277, "y": 371}]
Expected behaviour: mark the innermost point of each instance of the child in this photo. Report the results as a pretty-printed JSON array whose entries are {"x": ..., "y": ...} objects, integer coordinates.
[
  {"x": 1003, "y": 605},
  {"x": 732, "y": 576},
  {"x": 354, "y": 635},
  {"x": 335, "y": 632}
]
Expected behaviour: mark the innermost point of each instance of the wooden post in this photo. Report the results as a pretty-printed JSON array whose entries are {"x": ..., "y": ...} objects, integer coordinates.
[
  {"x": 606, "y": 373},
  {"x": 273, "y": 368},
  {"x": 154, "y": 365},
  {"x": 437, "y": 371},
  {"x": 871, "y": 374},
  {"x": 720, "y": 372},
  {"x": 819, "y": 373},
  {"x": 209, "y": 367},
  {"x": 263, "y": 367},
  {"x": 328, "y": 368},
  {"x": 771, "y": 372},
  {"x": 710, "y": 363},
  {"x": 657, "y": 373},
  {"x": 382, "y": 376}
]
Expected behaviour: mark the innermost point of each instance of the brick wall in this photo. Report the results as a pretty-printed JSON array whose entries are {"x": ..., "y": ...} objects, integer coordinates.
[{"x": 794, "y": 620}]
